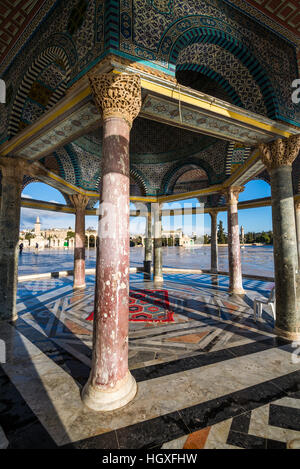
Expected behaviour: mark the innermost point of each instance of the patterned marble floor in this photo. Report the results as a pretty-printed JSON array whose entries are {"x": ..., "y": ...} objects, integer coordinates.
[{"x": 212, "y": 378}]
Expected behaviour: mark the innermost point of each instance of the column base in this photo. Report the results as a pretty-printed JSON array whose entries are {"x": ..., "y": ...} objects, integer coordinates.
[
  {"x": 147, "y": 267},
  {"x": 237, "y": 291},
  {"x": 287, "y": 335},
  {"x": 158, "y": 279},
  {"x": 102, "y": 400},
  {"x": 75, "y": 287}
]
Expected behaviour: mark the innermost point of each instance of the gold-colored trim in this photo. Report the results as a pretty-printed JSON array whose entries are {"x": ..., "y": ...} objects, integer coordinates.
[
  {"x": 211, "y": 107},
  {"x": 190, "y": 195},
  {"x": 44, "y": 121}
]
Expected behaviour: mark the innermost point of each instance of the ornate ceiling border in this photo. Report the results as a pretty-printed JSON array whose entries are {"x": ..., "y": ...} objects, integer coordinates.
[
  {"x": 29, "y": 30},
  {"x": 266, "y": 21}
]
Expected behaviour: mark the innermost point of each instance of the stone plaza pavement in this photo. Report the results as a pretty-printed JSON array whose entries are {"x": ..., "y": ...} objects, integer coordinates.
[{"x": 211, "y": 378}]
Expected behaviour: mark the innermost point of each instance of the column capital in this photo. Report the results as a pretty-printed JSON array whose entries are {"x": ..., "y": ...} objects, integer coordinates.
[
  {"x": 117, "y": 95},
  {"x": 79, "y": 201},
  {"x": 280, "y": 152},
  {"x": 213, "y": 211},
  {"x": 232, "y": 194}
]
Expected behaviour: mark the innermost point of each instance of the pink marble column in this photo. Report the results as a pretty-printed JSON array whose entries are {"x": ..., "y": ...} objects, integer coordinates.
[
  {"x": 110, "y": 384},
  {"x": 80, "y": 202},
  {"x": 234, "y": 249}
]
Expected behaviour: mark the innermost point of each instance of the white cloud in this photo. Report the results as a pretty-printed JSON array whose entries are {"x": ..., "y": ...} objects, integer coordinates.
[{"x": 48, "y": 219}]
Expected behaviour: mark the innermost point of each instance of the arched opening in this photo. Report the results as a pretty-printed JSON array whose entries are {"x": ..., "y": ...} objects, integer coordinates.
[
  {"x": 44, "y": 83},
  {"x": 200, "y": 81},
  {"x": 137, "y": 186},
  {"x": 39, "y": 224},
  {"x": 222, "y": 67},
  {"x": 92, "y": 241},
  {"x": 41, "y": 191},
  {"x": 186, "y": 177},
  {"x": 191, "y": 180},
  {"x": 255, "y": 189}
]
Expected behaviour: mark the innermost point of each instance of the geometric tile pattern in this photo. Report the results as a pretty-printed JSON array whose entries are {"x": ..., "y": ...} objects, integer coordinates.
[
  {"x": 270, "y": 426},
  {"x": 208, "y": 321},
  {"x": 14, "y": 17},
  {"x": 229, "y": 69},
  {"x": 211, "y": 379}
]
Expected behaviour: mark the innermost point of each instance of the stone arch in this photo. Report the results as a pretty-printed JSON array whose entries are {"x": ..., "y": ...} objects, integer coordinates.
[
  {"x": 263, "y": 176},
  {"x": 203, "y": 69},
  {"x": 31, "y": 87},
  {"x": 202, "y": 35},
  {"x": 137, "y": 179},
  {"x": 30, "y": 180},
  {"x": 178, "y": 170}
]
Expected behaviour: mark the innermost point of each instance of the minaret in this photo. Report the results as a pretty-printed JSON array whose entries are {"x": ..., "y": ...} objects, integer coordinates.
[{"x": 37, "y": 227}]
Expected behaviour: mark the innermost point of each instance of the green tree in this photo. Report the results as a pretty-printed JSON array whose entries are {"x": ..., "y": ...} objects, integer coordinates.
[
  {"x": 70, "y": 234},
  {"x": 206, "y": 239},
  {"x": 222, "y": 238},
  {"x": 29, "y": 236}
]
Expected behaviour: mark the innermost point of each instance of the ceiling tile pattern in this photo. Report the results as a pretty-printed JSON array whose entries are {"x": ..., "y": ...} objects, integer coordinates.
[
  {"x": 285, "y": 12},
  {"x": 15, "y": 15}
]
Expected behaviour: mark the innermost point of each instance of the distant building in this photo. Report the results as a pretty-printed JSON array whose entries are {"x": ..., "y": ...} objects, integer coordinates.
[{"x": 54, "y": 237}]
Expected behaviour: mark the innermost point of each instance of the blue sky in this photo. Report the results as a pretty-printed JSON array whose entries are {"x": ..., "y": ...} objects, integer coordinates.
[{"x": 258, "y": 219}]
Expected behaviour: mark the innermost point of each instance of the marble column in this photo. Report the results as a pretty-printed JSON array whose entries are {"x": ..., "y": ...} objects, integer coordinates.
[
  {"x": 148, "y": 244},
  {"x": 157, "y": 244},
  {"x": 214, "y": 242},
  {"x": 13, "y": 170},
  {"x": 297, "y": 221},
  {"x": 80, "y": 202},
  {"x": 234, "y": 250},
  {"x": 111, "y": 385},
  {"x": 278, "y": 157}
]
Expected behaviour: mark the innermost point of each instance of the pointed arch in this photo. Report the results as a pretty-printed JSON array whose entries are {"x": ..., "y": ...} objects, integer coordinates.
[
  {"x": 49, "y": 56},
  {"x": 233, "y": 46}
]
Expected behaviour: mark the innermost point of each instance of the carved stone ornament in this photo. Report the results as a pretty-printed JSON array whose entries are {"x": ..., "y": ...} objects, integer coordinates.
[
  {"x": 117, "y": 95},
  {"x": 280, "y": 152},
  {"x": 232, "y": 194},
  {"x": 79, "y": 201}
]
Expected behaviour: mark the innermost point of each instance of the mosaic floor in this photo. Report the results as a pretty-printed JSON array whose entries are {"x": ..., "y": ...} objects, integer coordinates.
[{"x": 210, "y": 378}]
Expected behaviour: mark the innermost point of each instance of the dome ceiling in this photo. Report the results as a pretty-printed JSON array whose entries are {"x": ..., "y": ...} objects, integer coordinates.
[{"x": 153, "y": 142}]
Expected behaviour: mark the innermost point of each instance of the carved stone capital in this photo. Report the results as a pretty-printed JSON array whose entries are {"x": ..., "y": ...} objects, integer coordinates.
[
  {"x": 117, "y": 95},
  {"x": 213, "y": 212},
  {"x": 232, "y": 194},
  {"x": 79, "y": 201},
  {"x": 280, "y": 152}
]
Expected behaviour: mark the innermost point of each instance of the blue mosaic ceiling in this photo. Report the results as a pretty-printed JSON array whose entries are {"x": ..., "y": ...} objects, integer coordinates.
[
  {"x": 205, "y": 42},
  {"x": 155, "y": 151},
  {"x": 162, "y": 34}
]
